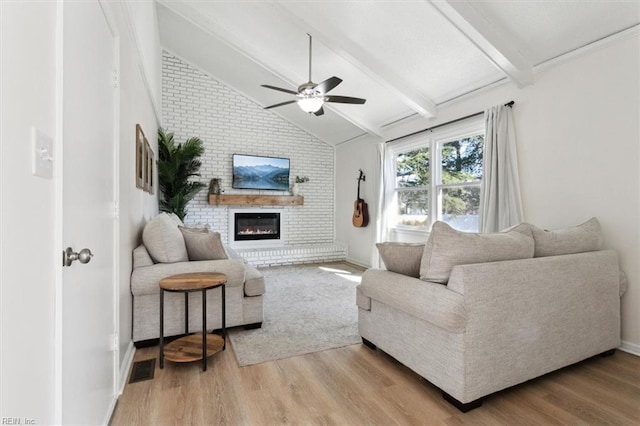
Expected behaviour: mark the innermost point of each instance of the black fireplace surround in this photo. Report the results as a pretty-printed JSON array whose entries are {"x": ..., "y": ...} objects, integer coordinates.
[{"x": 256, "y": 226}]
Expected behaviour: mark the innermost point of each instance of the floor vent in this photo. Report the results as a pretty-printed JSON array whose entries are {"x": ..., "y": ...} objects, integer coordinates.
[{"x": 142, "y": 370}]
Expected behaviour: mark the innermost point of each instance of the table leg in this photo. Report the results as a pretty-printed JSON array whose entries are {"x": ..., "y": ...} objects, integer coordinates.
[
  {"x": 161, "y": 328},
  {"x": 204, "y": 330},
  {"x": 224, "y": 319},
  {"x": 186, "y": 313}
]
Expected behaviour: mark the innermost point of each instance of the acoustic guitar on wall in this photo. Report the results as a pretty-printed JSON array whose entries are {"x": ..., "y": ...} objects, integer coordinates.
[{"x": 360, "y": 210}]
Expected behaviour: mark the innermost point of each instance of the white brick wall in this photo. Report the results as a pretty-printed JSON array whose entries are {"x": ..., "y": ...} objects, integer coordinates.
[
  {"x": 195, "y": 104},
  {"x": 307, "y": 253}
]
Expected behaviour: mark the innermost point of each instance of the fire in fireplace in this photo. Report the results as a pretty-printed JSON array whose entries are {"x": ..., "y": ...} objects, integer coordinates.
[{"x": 256, "y": 226}]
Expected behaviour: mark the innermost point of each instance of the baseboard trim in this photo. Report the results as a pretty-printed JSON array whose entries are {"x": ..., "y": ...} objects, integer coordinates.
[
  {"x": 631, "y": 348},
  {"x": 358, "y": 263},
  {"x": 112, "y": 408},
  {"x": 125, "y": 367},
  {"x": 123, "y": 374}
]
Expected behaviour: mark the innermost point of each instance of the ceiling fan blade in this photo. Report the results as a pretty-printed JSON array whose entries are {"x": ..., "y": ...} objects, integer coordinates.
[
  {"x": 280, "y": 89},
  {"x": 281, "y": 104},
  {"x": 328, "y": 84},
  {"x": 319, "y": 112},
  {"x": 344, "y": 100}
]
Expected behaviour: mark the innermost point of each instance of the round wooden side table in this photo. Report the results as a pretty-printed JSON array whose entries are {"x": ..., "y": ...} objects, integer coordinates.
[{"x": 193, "y": 347}]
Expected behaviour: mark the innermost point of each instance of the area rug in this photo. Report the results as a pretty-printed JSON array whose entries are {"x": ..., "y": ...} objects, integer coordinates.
[{"x": 307, "y": 308}]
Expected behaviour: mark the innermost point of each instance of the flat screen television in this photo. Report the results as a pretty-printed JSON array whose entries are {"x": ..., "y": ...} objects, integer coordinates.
[{"x": 256, "y": 172}]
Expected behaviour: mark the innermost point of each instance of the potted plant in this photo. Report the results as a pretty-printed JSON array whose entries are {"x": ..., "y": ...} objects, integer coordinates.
[
  {"x": 177, "y": 164},
  {"x": 295, "y": 189}
]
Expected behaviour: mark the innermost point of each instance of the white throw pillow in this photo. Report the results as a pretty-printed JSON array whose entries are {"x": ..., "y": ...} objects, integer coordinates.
[
  {"x": 403, "y": 258},
  {"x": 447, "y": 248},
  {"x": 576, "y": 239},
  {"x": 164, "y": 241},
  {"x": 174, "y": 218}
]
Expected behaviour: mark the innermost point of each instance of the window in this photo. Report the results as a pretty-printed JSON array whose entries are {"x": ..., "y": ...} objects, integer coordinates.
[{"x": 437, "y": 177}]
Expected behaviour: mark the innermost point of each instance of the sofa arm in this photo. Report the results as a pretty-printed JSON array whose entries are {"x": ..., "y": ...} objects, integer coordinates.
[
  {"x": 141, "y": 257},
  {"x": 146, "y": 279},
  {"x": 428, "y": 301},
  {"x": 254, "y": 282},
  {"x": 532, "y": 316}
]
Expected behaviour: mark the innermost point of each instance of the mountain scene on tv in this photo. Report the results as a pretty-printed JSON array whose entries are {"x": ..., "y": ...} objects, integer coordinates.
[{"x": 251, "y": 172}]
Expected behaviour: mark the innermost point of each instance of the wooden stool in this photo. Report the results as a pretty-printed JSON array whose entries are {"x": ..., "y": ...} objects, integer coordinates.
[{"x": 193, "y": 347}]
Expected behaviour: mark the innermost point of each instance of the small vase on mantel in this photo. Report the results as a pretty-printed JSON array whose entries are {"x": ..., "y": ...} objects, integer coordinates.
[{"x": 295, "y": 189}]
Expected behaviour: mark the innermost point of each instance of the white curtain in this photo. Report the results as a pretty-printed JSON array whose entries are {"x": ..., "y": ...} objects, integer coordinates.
[
  {"x": 500, "y": 200},
  {"x": 376, "y": 262}
]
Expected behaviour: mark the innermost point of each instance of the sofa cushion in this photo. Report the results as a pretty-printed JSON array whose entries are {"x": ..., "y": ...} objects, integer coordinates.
[
  {"x": 576, "y": 239},
  {"x": 200, "y": 229},
  {"x": 174, "y": 218},
  {"x": 447, "y": 248},
  {"x": 202, "y": 244},
  {"x": 164, "y": 241},
  {"x": 254, "y": 282},
  {"x": 403, "y": 258}
]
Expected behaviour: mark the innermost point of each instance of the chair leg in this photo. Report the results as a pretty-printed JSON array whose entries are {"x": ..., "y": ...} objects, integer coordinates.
[{"x": 464, "y": 407}]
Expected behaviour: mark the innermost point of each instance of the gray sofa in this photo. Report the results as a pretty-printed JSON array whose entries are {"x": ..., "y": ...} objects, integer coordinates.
[
  {"x": 494, "y": 324},
  {"x": 244, "y": 289}
]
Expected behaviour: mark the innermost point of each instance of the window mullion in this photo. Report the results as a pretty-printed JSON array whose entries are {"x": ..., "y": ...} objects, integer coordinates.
[{"x": 436, "y": 181}]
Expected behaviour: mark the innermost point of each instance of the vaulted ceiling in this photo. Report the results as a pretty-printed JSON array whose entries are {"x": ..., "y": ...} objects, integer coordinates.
[{"x": 406, "y": 58}]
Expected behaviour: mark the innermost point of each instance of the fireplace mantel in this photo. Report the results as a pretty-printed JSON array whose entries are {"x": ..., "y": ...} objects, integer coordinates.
[{"x": 255, "y": 200}]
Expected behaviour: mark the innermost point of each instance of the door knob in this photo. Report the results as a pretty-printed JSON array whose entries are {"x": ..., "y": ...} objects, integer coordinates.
[{"x": 68, "y": 256}]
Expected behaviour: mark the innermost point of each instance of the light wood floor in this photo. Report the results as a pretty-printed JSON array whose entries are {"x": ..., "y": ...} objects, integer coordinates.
[{"x": 355, "y": 385}]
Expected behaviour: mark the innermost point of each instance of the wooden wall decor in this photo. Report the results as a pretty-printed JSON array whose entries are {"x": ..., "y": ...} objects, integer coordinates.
[
  {"x": 140, "y": 159},
  {"x": 145, "y": 162}
]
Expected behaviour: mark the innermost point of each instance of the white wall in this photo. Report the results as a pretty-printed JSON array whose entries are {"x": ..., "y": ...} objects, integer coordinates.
[
  {"x": 140, "y": 76},
  {"x": 578, "y": 144},
  {"x": 143, "y": 20},
  {"x": 350, "y": 158},
  {"x": 27, "y": 270},
  {"x": 28, "y": 255},
  {"x": 579, "y": 141},
  {"x": 195, "y": 104}
]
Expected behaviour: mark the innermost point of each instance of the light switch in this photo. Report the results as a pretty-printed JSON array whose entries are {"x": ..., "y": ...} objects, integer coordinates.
[{"x": 42, "y": 154}]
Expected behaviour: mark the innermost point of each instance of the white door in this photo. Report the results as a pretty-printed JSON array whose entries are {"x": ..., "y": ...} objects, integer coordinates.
[{"x": 88, "y": 314}]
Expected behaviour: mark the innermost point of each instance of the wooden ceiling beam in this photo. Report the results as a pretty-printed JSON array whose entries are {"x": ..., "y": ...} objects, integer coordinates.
[{"x": 494, "y": 43}]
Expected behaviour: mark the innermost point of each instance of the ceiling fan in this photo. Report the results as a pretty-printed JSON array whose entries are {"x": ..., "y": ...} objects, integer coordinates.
[{"x": 311, "y": 96}]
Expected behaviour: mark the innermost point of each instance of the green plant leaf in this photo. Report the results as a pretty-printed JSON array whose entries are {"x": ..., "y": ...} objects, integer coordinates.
[{"x": 177, "y": 164}]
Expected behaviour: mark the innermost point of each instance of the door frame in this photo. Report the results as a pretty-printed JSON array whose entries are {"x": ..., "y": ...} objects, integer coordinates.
[{"x": 58, "y": 240}]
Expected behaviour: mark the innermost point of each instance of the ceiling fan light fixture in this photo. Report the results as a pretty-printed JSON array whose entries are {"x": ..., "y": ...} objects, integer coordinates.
[
  {"x": 311, "y": 105},
  {"x": 312, "y": 96}
]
